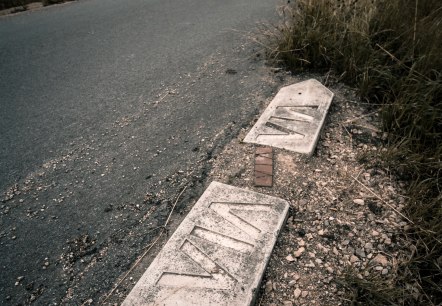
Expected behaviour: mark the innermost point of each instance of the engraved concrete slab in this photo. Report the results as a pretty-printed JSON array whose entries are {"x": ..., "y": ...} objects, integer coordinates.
[
  {"x": 294, "y": 118},
  {"x": 218, "y": 254}
]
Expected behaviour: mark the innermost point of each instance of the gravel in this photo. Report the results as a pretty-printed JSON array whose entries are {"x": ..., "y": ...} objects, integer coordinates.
[{"x": 339, "y": 218}]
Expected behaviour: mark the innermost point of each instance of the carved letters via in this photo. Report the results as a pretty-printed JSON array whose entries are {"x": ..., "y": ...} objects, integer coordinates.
[
  {"x": 218, "y": 253},
  {"x": 215, "y": 276},
  {"x": 294, "y": 118},
  {"x": 291, "y": 120}
]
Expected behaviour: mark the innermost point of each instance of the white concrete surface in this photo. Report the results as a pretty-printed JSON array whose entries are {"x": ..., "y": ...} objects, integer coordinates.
[
  {"x": 218, "y": 254},
  {"x": 294, "y": 118}
]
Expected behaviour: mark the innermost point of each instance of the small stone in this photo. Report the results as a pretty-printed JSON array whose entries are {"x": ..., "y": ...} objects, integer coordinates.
[
  {"x": 292, "y": 283},
  {"x": 32, "y": 298},
  {"x": 387, "y": 241},
  {"x": 330, "y": 270},
  {"x": 359, "y": 201},
  {"x": 321, "y": 232},
  {"x": 290, "y": 258},
  {"x": 335, "y": 251},
  {"x": 297, "y": 293},
  {"x": 310, "y": 264},
  {"x": 304, "y": 294},
  {"x": 378, "y": 268},
  {"x": 360, "y": 253},
  {"x": 296, "y": 276},
  {"x": 354, "y": 259},
  {"x": 20, "y": 278},
  {"x": 301, "y": 242},
  {"x": 368, "y": 246},
  {"x": 269, "y": 287},
  {"x": 318, "y": 261},
  {"x": 384, "y": 272},
  {"x": 375, "y": 233},
  {"x": 299, "y": 252},
  {"x": 287, "y": 303},
  {"x": 380, "y": 260}
]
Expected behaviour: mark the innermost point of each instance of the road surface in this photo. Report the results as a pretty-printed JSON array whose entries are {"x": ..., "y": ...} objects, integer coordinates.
[{"x": 109, "y": 108}]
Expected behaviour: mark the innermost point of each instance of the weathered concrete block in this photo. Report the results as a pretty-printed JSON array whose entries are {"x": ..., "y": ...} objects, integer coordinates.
[
  {"x": 218, "y": 254},
  {"x": 294, "y": 118}
]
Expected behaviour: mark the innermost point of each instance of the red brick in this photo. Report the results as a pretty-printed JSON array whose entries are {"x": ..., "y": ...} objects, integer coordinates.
[
  {"x": 263, "y": 181},
  {"x": 260, "y": 160},
  {"x": 264, "y": 166},
  {"x": 266, "y": 169},
  {"x": 266, "y": 155},
  {"x": 261, "y": 150}
]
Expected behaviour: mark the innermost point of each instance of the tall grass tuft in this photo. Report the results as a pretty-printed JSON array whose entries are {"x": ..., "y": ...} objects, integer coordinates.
[{"x": 391, "y": 51}]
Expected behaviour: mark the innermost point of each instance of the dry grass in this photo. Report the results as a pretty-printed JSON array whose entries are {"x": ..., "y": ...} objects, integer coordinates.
[{"x": 391, "y": 50}]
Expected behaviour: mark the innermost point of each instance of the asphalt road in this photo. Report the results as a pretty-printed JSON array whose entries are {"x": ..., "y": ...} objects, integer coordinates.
[{"x": 108, "y": 109}]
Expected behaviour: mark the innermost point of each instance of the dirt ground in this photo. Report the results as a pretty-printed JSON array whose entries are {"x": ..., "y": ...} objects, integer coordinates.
[{"x": 345, "y": 207}]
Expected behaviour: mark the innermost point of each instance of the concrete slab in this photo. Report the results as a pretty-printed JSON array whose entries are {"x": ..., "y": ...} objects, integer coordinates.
[
  {"x": 218, "y": 254},
  {"x": 294, "y": 118}
]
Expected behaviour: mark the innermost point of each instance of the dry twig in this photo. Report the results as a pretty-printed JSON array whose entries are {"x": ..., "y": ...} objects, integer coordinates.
[
  {"x": 383, "y": 201},
  {"x": 163, "y": 229}
]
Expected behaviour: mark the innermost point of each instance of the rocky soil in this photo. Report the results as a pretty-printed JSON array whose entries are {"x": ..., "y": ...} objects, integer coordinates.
[{"x": 345, "y": 206}]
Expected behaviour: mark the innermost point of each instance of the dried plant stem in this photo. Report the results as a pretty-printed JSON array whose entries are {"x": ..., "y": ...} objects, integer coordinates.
[
  {"x": 174, "y": 204},
  {"x": 401, "y": 63},
  {"x": 383, "y": 201},
  {"x": 415, "y": 26},
  {"x": 163, "y": 230},
  {"x": 360, "y": 117}
]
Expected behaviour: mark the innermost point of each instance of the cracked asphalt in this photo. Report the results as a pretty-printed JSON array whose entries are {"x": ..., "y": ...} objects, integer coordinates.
[{"x": 108, "y": 110}]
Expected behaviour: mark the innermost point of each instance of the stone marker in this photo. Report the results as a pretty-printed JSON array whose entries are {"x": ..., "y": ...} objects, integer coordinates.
[
  {"x": 264, "y": 167},
  {"x": 218, "y": 254},
  {"x": 294, "y": 118}
]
